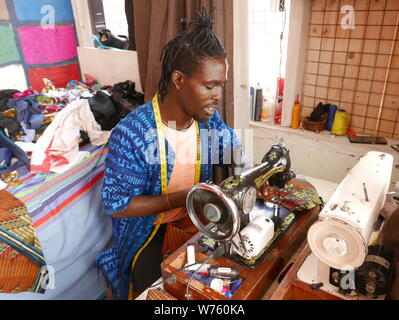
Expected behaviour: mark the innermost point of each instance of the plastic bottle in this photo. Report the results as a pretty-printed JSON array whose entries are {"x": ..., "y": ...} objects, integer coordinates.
[
  {"x": 296, "y": 112},
  {"x": 258, "y": 102},
  {"x": 331, "y": 114},
  {"x": 264, "y": 116},
  {"x": 340, "y": 123},
  {"x": 277, "y": 113}
]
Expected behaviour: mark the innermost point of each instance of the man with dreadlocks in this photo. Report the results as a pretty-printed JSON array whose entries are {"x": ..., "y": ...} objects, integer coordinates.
[{"x": 158, "y": 152}]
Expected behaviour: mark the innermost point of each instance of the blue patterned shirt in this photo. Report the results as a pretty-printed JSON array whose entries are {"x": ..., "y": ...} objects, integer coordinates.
[{"x": 132, "y": 168}]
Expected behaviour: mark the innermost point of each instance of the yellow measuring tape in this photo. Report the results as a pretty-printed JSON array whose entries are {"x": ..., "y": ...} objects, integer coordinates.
[{"x": 164, "y": 177}]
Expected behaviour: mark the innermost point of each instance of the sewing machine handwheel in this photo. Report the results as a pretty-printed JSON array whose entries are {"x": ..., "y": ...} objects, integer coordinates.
[{"x": 217, "y": 208}]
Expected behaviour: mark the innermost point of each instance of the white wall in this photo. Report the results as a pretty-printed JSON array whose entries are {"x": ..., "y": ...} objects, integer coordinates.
[
  {"x": 321, "y": 156},
  {"x": 110, "y": 66}
]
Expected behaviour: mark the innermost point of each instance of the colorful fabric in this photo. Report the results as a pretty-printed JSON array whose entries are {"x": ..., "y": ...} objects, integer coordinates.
[
  {"x": 21, "y": 256},
  {"x": 297, "y": 195},
  {"x": 132, "y": 169},
  {"x": 67, "y": 213}
]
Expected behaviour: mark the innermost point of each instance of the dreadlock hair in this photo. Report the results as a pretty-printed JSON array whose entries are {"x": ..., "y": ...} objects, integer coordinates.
[{"x": 187, "y": 50}]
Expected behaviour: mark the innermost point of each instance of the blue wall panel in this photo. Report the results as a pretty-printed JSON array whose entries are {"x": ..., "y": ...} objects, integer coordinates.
[{"x": 28, "y": 10}]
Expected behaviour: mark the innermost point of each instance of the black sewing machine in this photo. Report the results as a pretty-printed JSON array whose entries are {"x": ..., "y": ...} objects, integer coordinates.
[{"x": 235, "y": 218}]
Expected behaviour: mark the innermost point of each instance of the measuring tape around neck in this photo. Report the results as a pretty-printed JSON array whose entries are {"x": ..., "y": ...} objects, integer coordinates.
[{"x": 162, "y": 148}]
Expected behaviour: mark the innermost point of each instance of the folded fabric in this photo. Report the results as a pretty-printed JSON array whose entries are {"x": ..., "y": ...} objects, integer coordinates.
[
  {"x": 22, "y": 263},
  {"x": 297, "y": 195},
  {"x": 58, "y": 148}
]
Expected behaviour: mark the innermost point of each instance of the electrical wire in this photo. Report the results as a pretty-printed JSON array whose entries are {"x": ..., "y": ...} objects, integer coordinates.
[
  {"x": 217, "y": 253},
  {"x": 221, "y": 250},
  {"x": 174, "y": 272},
  {"x": 188, "y": 296}
]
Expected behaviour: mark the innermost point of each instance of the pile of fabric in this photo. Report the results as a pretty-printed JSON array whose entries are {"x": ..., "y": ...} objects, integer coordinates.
[{"x": 43, "y": 131}]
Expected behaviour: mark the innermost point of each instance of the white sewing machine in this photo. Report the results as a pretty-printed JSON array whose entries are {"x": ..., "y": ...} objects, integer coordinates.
[{"x": 342, "y": 262}]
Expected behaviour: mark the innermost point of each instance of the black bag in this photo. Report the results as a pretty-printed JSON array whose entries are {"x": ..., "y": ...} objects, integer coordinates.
[
  {"x": 5, "y": 95},
  {"x": 126, "y": 98},
  {"x": 319, "y": 111},
  {"x": 104, "y": 111}
]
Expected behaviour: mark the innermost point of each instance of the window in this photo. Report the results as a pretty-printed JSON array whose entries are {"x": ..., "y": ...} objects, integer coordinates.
[
  {"x": 115, "y": 17},
  {"x": 267, "y": 22},
  {"x": 109, "y": 14}
]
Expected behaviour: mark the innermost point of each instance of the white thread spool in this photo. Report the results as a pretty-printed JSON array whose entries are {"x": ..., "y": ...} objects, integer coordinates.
[
  {"x": 190, "y": 254},
  {"x": 217, "y": 285}
]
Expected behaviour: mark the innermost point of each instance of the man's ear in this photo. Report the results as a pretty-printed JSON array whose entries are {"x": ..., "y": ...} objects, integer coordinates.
[{"x": 177, "y": 79}]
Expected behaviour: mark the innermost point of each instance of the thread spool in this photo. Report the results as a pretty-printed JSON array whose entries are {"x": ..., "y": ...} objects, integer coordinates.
[
  {"x": 217, "y": 285},
  {"x": 190, "y": 254},
  {"x": 339, "y": 126}
]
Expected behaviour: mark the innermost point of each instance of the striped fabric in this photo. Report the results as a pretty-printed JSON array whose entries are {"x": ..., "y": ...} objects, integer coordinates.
[
  {"x": 46, "y": 201},
  {"x": 45, "y": 195}
]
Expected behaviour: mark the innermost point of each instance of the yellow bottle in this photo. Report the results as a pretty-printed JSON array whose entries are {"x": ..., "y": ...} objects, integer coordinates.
[
  {"x": 339, "y": 126},
  {"x": 296, "y": 112}
]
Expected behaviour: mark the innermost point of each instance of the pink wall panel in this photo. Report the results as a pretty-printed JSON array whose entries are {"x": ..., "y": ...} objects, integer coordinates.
[{"x": 47, "y": 46}]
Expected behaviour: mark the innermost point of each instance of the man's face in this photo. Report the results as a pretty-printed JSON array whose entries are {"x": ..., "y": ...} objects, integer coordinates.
[{"x": 201, "y": 93}]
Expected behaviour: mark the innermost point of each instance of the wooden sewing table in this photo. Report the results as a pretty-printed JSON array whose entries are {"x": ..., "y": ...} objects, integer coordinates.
[
  {"x": 291, "y": 288},
  {"x": 255, "y": 280}
]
